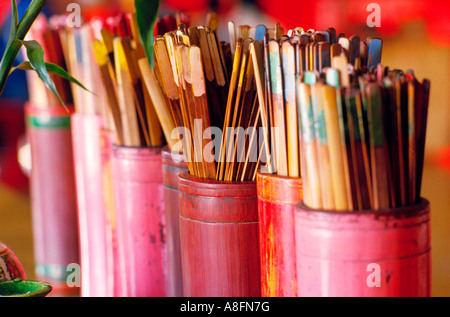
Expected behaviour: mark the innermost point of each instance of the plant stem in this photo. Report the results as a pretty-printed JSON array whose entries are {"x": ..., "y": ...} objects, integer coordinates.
[
  {"x": 34, "y": 9},
  {"x": 11, "y": 52},
  {"x": 13, "y": 46}
]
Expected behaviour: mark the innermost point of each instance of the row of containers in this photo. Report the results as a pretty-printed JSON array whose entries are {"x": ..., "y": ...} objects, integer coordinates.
[{"x": 138, "y": 224}]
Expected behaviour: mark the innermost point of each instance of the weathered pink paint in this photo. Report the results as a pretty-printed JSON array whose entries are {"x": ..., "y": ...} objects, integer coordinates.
[
  {"x": 107, "y": 139},
  {"x": 53, "y": 194},
  {"x": 341, "y": 253},
  {"x": 95, "y": 281},
  {"x": 173, "y": 165},
  {"x": 141, "y": 228}
]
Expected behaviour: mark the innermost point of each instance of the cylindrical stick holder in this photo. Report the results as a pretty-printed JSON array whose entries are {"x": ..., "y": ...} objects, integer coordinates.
[
  {"x": 139, "y": 207},
  {"x": 382, "y": 253},
  {"x": 173, "y": 164},
  {"x": 107, "y": 139},
  {"x": 53, "y": 195},
  {"x": 91, "y": 210},
  {"x": 219, "y": 238},
  {"x": 277, "y": 197}
]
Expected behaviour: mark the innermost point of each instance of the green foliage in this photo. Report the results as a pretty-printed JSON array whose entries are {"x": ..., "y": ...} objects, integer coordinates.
[
  {"x": 147, "y": 15},
  {"x": 35, "y": 53}
]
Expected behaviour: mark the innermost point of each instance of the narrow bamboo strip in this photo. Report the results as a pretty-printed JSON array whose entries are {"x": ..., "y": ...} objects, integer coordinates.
[
  {"x": 126, "y": 101},
  {"x": 160, "y": 102}
]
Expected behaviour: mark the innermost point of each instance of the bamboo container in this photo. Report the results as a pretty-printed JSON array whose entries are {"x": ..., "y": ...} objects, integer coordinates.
[
  {"x": 382, "y": 253},
  {"x": 53, "y": 195},
  {"x": 141, "y": 230},
  {"x": 277, "y": 197},
  {"x": 95, "y": 281},
  {"x": 107, "y": 139},
  {"x": 219, "y": 238},
  {"x": 172, "y": 165}
]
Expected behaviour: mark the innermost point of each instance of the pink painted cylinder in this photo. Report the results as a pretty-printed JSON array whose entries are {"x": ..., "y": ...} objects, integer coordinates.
[
  {"x": 53, "y": 195},
  {"x": 363, "y": 254},
  {"x": 91, "y": 209},
  {"x": 141, "y": 229},
  {"x": 173, "y": 164},
  {"x": 107, "y": 139}
]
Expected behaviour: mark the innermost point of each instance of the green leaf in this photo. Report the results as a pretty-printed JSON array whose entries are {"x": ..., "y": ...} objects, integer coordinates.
[
  {"x": 146, "y": 15},
  {"x": 32, "y": 12},
  {"x": 52, "y": 69},
  {"x": 18, "y": 32},
  {"x": 35, "y": 54}
]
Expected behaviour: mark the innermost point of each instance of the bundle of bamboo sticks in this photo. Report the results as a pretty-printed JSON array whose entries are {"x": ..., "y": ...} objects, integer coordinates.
[
  {"x": 306, "y": 56},
  {"x": 310, "y": 104},
  {"x": 243, "y": 86},
  {"x": 212, "y": 83},
  {"x": 363, "y": 144},
  {"x": 239, "y": 158},
  {"x": 117, "y": 49},
  {"x": 108, "y": 58},
  {"x": 140, "y": 108},
  {"x": 353, "y": 130},
  {"x": 201, "y": 81}
]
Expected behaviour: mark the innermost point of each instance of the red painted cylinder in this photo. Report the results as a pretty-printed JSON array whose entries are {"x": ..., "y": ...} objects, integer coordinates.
[
  {"x": 91, "y": 209},
  {"x": 277, "y": 197},
  {"x": 173, "y": 164},
  {"x": 53, "y": 194},
  {"x": 219, "y": 238},
  {"x": 363, "y": 254},
  {"x": 107, "y": 139},
  {"x": 139, "y": 207}
]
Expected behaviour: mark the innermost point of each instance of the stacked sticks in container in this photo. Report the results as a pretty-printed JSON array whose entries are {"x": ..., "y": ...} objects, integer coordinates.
[
  {"x": 104, "y": 55},
  {"x": 363, "y": 143},
  {"x": 211, "y": 83},
  {"x": 191, "y": 69},
  {"x": 362, "y": 126},
  {"x": 305, "y": 56},
  {"x": 117, "y": 49},
  {"x": 351, "y": 128}
]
